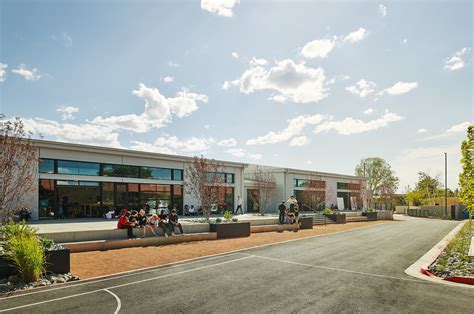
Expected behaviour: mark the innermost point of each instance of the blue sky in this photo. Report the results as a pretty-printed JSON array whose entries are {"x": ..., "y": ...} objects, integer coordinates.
[{"x": 312, "y": 85}]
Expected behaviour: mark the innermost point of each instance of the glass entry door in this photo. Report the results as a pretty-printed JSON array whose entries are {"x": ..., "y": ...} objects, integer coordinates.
[{"x": 121, "y": 196}]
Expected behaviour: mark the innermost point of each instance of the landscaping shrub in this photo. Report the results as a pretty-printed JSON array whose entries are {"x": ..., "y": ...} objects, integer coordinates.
[
  {"x": 26, "y": 255},
  {"x": 12, "y": 230},
  {"x": 327, "y": 211},
  {"x": 228, "y": 215}
]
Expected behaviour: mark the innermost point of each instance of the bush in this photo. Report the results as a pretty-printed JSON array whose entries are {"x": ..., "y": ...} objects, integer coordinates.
[
  {"x": 12, "y": 230},
  {"x": 228, "y": 215},
  {"x": 235, "y": 219},
  {"x": 218, "y": 220},
  {"x": 27, "y": 256},
  {"x": 327, "y": 211}
]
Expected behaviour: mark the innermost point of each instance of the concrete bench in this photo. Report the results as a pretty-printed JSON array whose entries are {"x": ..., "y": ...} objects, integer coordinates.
[
  {"x": 103, "y": 245},
  {"x": 271, "y": 228}
]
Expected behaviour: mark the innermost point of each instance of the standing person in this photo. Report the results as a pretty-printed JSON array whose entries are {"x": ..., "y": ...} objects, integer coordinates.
[
  {"x": 163, "y": 224},
  {"x": 124, "y": 223},
  {"x": 281, "y": 216},
  {"x": 173, "y": 221},
  {"x": 65, "y": 206},
  {"x": 239, "y": 205}
]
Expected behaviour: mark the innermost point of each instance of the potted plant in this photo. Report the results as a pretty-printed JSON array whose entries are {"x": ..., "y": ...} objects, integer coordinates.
[
  {"x": 230, "y": 228},
  {"x": 306, "y": 222},
  {"x": 339, "y": 218},
  {"x": 370, "y": 214}
]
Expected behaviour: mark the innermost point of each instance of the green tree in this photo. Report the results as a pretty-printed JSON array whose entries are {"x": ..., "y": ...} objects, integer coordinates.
[
  {"x": 428, "y": 186},
  {"x": 381, "y": 179},
  {"x": 466, "y": 178}
]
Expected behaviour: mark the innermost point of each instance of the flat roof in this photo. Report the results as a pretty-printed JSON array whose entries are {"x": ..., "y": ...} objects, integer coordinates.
[{"x": 122, "y": 151}]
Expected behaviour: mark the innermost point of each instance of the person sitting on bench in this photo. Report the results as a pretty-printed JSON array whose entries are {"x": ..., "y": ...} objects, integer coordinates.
[
  {"x": 143, "y": 223},
  {"x": 124, "y": 223},
  {"x": 173, "y": 221},
  {"x": 163, "y": 224}
]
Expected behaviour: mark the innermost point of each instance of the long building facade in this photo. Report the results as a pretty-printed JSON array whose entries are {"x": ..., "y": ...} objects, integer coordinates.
[{"x": 81, "y": 181}]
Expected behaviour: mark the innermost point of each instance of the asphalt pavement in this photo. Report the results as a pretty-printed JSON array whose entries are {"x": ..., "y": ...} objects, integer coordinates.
[{"x": 358, "y": 271}]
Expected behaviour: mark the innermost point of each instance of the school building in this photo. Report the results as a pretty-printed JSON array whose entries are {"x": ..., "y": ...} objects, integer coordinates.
[{"x": 75, "y": 181}]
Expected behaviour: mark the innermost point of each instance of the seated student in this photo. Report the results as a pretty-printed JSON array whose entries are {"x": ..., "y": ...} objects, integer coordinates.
[
  {"x": 173, "y": 221},
  {"x": 186, "y": 210},
  {"x": 163, "y": 224},
  {"x": 143, "y": 223},
  {"x": 24, "y": 214},
  {"x": 124, "y": 223},
  {"x": 133, "y": 217},
  {"x": 192, "y": 211},
  {"x": 286, "y": 218}
]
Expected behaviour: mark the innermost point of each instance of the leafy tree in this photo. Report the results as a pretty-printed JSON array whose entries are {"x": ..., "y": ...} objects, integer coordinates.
[
  {"x": 204, "y": 182},
  {"x": 428, "y": 186},
  {"x": 18, "y": 162},
  {"x": 466, "y": 178},
  {"x": 381, "y": 179}
]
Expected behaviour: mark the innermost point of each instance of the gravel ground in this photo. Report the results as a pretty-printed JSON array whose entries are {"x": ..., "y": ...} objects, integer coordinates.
[{"x": 101, "y": 263}]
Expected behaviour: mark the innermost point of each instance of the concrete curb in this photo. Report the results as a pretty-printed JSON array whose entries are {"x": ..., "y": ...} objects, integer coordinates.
[{"x": 419, "y": 269}]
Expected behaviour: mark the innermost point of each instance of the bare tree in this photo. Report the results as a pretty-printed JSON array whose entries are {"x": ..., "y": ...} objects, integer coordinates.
[
  {"x": 18, "y": 161},
  {"x": 265, "y": 183},
  {"x": 355, "y": 194},
  {"x": 314, "y": 193},
  {"x": 204, "y": 182}
]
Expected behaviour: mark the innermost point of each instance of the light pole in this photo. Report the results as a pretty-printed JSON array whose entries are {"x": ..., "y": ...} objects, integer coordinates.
[{"x": 446, "y": 183}]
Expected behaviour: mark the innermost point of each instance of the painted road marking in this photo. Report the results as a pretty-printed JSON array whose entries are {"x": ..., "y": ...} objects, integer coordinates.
[
  {"x": 119, "y": 303},
  {"x": 124, "y": 285}
]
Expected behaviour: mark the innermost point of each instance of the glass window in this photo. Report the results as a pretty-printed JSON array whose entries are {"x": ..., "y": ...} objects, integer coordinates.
[
  {"x": 46, "y": 166},
  {"x": 155, "y": 173},
  {"x": 216, "y": 177},
  {"x": 78, "y": 168},
  {"x": 342, "y": 186},
  {"x": 108, "y": 197},
  {"x": 300, "y": 183},
  {"x": 133, "y": 196},
  {"x": 178, "y": 174},
  {"x": 229, "y": 178},
  {"x": 119, "y": 171},
  {"x": 81, "y": 199},
  {"x": 148, "y": 196},
  {"x": 178, "y": 198},
  {"x": 46, "y": 199}
]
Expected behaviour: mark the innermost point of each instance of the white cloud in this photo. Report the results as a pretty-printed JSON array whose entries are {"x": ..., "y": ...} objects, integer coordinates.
[
  {"x": 228, "y": 142},
  {"x": 258, "y": 61},
  {"x": 400, "y": 88},
  {"x": 171, "y": 145},
  {"x": 65, "y": 38},
  {"x": 67, "y": 112},
  {"x": 296, "y": 82},
  {"x": 369, "y": 111},
  {"x": 422, "y": 131},
  {"x": 299, "y": 141},
  {"x": 168, "y": 79},
  {"x": 456, "y": 62},
  {"x": 458, "y": 128},
  {"x": 219, "y": 7},
  {"x": 356, "y": 36},
  {"x": 235, "y": 55},
  {"x": 85, "y": 133},
  {"x": 173, "y": 64},
  {"x": 362, "y": 88},
  {"x": 159, "y": 110},
  {"x": 236, "y": 152},
  {"x": 228, "y": 84},
  {"x": 29, "y": 75},
  {"x": 382, "y": 10},
  {"x": 350, "y": 126},
  {"x": 404, "y": 40},
  {"x": 241, "y": 153},
  {"x": 3, "y": 71},
  {"x": 319, "y": 48},
  {"x": 295, "y": 128}
]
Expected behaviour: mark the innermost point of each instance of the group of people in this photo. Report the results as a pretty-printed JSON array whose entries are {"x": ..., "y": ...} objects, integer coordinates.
[
  {"x": 167, "y": 223},
  {"x": 289, "y": 215}
]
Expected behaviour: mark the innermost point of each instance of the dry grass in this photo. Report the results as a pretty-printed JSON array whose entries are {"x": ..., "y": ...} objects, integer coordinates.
[{"x": 101, "y": 263}]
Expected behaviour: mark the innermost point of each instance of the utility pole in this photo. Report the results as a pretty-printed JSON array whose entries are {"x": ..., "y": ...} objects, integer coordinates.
[{"x": 446, "y": 183}]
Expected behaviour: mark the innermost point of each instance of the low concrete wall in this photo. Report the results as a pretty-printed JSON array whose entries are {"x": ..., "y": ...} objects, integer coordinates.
[
  {"x": 115, "y": 234},
  {"x": 385, "y": 215},
  {"x": 103, "y": 245},
  {"x": 271, "y": 228},
  {"x": 428, "y": 211}
]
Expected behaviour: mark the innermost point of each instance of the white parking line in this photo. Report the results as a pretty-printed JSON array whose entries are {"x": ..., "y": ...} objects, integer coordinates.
[
  {"x": 334, "y": 269},
  {"x": 119, "y": 303},
  {"x": 124, "y": 285}
]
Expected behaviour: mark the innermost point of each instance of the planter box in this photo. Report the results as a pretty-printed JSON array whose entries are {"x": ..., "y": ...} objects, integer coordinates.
[
  {"x": 337, "y": 218},
  {"x": 306, "y": 223},
  {"x": 370, "y": 215},
  {"x": 57, "y": 261},
  {"x": 231, "y": 229}
]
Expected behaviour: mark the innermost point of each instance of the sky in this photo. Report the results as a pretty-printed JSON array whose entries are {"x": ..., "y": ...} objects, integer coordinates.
[{"x": 314, "y": 85}]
